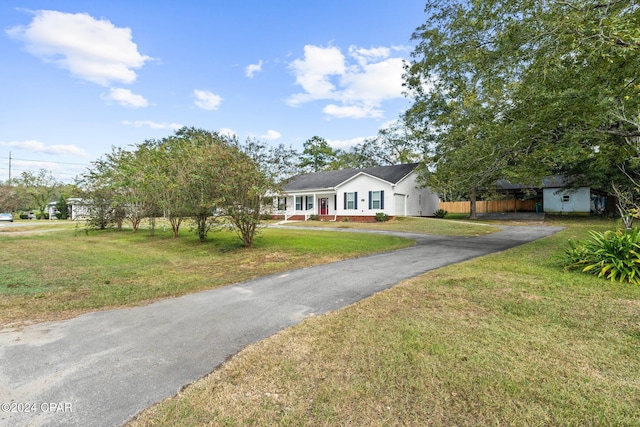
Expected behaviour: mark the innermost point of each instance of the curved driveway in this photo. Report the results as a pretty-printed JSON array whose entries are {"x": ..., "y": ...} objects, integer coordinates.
[{"x": 101, "y": 369}]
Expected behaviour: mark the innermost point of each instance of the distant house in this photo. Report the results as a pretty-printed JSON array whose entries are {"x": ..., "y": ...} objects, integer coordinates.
[
  {"x": 558, "y": 199},
  {"x": 79, "y": 209},
  {"x": 357, "y": 194},
  {"x": 556, "y": 195},
  {"x": 52, "y": 209}
]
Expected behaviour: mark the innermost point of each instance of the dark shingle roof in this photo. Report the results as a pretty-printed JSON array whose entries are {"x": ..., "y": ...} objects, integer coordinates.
[
  {"x": 556, "y": 181},
  {"x": 331, "y": 179}
]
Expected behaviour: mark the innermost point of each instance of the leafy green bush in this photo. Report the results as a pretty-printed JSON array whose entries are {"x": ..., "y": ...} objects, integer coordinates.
[
  {"x": 614, "y": 255},
  {"x": 382, "y": 217},
  {"x": 440, "y": 213}
]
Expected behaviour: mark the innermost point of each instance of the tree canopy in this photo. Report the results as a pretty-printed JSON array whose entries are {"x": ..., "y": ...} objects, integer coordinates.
[
  {"x": 521, "y": 89},
  {"x": 41, "y": 188},
  {"x": 194, "y": 174}
]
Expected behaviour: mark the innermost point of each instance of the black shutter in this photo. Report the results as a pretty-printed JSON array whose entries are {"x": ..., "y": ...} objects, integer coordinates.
[
  {"x": 355, "y": 200},
  {"x": 345, "y": 200},
  {"x": 382, "y": 199},
  {"x": 335, "y": 202},
  {"x": 370, "y": 199}
]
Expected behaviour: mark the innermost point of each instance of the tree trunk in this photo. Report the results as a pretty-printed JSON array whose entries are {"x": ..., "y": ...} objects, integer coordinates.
[
  {"x": 152, "y": 225},
  {"x": 201, "y": 226},
  {"x": 175, "y": 225},
  {"x": 472, "y": 205}
]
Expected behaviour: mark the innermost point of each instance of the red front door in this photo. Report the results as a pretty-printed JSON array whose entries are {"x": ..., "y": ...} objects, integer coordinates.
[{"x": 324, "y": 206}]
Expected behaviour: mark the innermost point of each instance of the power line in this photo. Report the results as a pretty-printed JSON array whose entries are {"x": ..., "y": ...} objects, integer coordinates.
[{"x": 49, "y": 161}]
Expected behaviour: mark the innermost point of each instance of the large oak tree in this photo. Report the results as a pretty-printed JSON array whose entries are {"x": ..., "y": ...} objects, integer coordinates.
[{"x": 520, "y": 89}]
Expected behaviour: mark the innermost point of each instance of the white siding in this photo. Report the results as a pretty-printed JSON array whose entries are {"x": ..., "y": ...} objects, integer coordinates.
[
  {"x": 402, "y": 199},
  {"x": 362, "y": 184},
  {"x": 399, "y": 200},
  {"x": 562, "y": 201},
  {"x": 420, "y": 201}
]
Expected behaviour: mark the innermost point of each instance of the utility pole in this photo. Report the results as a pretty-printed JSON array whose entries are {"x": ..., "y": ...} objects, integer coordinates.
[{"x": 9, "y": 170}]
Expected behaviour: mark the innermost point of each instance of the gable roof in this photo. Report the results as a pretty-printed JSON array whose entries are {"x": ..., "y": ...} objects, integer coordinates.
[
  {"x": 555, "y": 181},
  {"x": 331, "y": 179}
]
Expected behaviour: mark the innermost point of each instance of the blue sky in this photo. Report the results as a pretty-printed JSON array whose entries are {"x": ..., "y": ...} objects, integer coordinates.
[{"x": 79, "y": 77}]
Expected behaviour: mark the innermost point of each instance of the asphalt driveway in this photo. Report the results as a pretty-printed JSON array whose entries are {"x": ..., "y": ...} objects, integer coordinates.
[{"x": 101, "y": 369}]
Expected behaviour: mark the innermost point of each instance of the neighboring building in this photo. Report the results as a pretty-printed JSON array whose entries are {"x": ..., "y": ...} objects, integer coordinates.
[
  {"x": 357, "y": 194},
  {"x": 52, "y": 209},
  {"x": 79, "y": 209},
  {"x": 557, "y": 196},
  {"x": 557, "y": 199}
]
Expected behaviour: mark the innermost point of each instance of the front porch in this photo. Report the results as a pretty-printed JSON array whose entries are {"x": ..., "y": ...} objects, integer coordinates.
[
  {"x": 326, "y": 218},
  {"x": 303, "y": 207}
]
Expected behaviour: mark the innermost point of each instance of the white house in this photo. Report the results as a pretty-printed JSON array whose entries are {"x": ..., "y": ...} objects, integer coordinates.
[
  {"x": 52, "y": 209},
  {"x": 357, "y": 194},
  {"x": 79, "y": 209},
  {"x": 557, "y": 199}
]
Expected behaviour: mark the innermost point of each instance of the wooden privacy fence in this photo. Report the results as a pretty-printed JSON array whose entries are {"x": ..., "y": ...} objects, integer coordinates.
[{"x": 491, "y": 206}]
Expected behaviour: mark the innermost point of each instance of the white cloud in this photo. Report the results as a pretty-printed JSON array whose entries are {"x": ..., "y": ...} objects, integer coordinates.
[
  {"x": 228, "y": 132},
  {"x": 39, "y": 147},
  {"x": 314, "y": 73},
  {"x": 364, "y": 56},
  {"x": 336, "y": 143},
  {"x": 357, "y": 84},
  {"x": 91, "y": 49},
  {"x": 352, "y": 111},
  {"x": 207, "y": 100},
  {"x": 126, "y": 98},
  {"x": 375, "y": 82},
  {"x": 271, "y": 135},
  {"x": 389, "y": 123},
  {"x": 152, "y": 125},
  {"x": 64, "y": 172},
  {"x": 252, "y": 69}
]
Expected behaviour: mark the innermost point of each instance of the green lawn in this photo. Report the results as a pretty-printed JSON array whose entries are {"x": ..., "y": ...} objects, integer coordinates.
[
  {"x": 506, "y": 339},
  {"x": 59, "y": 274}
]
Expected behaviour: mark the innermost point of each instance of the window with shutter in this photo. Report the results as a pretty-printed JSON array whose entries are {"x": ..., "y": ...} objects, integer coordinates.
[
  {"x": 375, "y": 200},
  {"x": 351, "y": 200}
]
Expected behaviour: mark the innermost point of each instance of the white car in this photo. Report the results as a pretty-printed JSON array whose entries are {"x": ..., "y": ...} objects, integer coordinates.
[{"x": 6, "y": 217}]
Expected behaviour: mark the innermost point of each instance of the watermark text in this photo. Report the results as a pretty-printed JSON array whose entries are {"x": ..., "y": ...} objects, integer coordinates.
[{"x": 23, "y": 407}]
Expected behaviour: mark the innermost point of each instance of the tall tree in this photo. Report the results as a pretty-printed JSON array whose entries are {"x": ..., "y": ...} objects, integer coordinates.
[
  {"x": 458, "y": 101},
  {"x": 41, "y": 188},
  {"x": 533, "y": 87},
  {"x": 243, "y": 186},
  {"x": 317, "y": 155},
  {"x": 392, "y": 145},
  {"x": 279, "y": 162},
  {"x": 11, "y": 199}
]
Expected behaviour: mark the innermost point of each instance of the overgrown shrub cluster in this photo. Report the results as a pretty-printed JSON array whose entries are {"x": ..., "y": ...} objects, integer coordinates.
[{"x": 614, "y": 255}]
